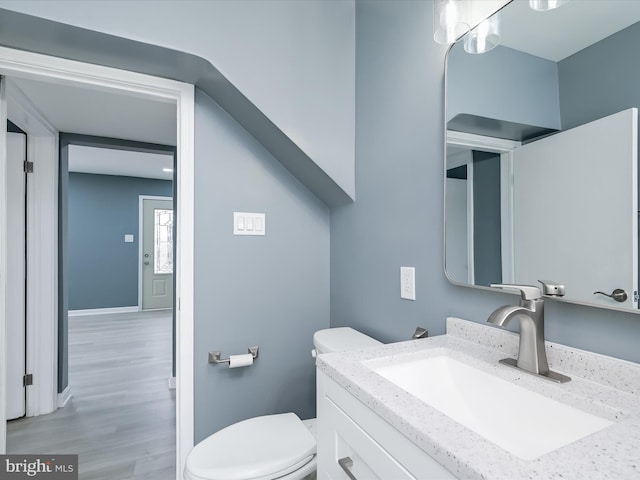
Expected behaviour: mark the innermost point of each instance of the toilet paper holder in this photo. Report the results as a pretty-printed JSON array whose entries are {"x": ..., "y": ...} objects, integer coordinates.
[{"x": 214, "y": 357}]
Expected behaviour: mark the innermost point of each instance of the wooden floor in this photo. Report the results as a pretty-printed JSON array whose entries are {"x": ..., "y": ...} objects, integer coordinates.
[{"x": 121, "y": 418}]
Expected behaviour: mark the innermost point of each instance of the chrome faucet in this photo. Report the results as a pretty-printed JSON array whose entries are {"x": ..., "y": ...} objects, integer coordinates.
[{"x": 532, "y": 356}]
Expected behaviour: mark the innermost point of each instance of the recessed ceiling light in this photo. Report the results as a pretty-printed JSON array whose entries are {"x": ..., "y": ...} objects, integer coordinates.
[{"x": 167, "y": 169}]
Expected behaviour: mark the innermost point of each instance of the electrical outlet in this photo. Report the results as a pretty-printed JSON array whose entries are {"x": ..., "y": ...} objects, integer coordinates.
[{"x": 408, "y": 283}]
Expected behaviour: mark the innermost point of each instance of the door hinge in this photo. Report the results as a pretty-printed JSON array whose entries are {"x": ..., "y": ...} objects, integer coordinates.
[
  {"x": 28, "y": 166},
  {"x": 27, "y": 380}
]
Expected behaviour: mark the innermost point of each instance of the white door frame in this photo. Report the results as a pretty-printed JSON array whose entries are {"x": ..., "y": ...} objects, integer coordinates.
[
  {"x": 3, "y": 269},
  {"x": 505, "y": 149},
  {"x": 42, "y": 246},
  {"x": 141, "y": 199},
  {"x": 42, "y": 67},
  {"x": 471, "y": 246}
]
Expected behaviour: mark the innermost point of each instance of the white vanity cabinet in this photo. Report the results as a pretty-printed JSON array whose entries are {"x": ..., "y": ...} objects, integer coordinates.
[{"x": 355, "y": 443}]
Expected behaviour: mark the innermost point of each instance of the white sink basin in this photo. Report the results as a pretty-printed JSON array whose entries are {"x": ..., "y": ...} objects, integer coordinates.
[{"x": 522, "y": 422}]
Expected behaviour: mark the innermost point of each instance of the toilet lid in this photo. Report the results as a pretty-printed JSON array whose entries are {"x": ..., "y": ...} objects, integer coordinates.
[
  {"x": 259, "y": 447},
  {"x": 341, "y": 339}
]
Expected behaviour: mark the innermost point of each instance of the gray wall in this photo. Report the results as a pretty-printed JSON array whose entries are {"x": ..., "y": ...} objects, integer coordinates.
[
  {"x": 271, "y": 291},
  {"x": 275, "y": 293},
  {"x": 103, "y": 269},
  {"x": 294, "y": 60},
  {"x": 601, "y": 79},
  {"x": 397, "y": 218},
  {"x": 526, "y": 93}
]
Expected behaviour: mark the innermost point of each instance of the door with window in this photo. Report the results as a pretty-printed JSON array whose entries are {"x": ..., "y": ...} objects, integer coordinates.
[{"x": 157, "y": 253}]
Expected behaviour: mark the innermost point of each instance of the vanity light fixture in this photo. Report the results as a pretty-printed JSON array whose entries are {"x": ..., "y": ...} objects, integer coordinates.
[
  {"x": 484, "y": 37},
  {"x": 448, "y": 24},
  {"x": 544, "y": 5}
]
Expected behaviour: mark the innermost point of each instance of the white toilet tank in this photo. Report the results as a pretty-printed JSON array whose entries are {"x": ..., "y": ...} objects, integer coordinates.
[{"x": 341, "y": 339}]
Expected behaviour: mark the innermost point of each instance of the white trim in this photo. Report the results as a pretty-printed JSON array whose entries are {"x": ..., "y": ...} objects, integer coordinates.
[
  {"x": 64, "y": 397},
  {"x": 184, "y": 272},
  {"x": 42, "y": 252},
  {"x": 141, "y": 199},
  {"x": 471, "y": 255},
  {"x": 38, "y": 67},
  {"x": 24, "y": 112},
  {"x": 3, "y": 267},
  {"x": 506, "y": 217},
  {"x": 103, "y": 311},
  {"x": 480, "y": 142}
]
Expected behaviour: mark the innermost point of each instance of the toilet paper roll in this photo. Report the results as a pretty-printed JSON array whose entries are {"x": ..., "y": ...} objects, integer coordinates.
[{"x": 243, "y": 360}]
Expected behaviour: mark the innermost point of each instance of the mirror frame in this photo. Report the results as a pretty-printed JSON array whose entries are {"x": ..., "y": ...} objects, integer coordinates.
[{"x": 444, "y": 209}]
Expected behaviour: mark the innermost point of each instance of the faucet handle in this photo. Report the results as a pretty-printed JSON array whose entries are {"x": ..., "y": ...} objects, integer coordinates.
[{"x": 527, "y": 292}]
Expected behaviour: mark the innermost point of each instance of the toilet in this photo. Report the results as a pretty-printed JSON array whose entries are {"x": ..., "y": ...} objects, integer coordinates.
[{"x": 247, "y": 450}]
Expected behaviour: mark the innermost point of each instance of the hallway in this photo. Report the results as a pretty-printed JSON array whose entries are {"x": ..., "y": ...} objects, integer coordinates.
[{"x": 121, "y": 418}]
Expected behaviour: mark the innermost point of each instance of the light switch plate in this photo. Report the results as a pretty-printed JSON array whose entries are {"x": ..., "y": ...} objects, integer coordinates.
[
  {"x": 128, "y": 238},
  {"x": 408, "y": 283},
  {"x": 245, "y": 223}
]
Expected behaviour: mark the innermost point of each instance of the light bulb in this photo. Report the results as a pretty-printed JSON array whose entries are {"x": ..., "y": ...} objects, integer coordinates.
[
  {"x": 448, "y": 26},
  {"x": 485, "y": 37},
  {"x": 544, "y": 5}
]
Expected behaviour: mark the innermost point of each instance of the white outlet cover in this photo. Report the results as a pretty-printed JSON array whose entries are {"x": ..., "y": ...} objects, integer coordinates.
[
  {"x": 408, "y": 283},
  {"x": 128, "y": 238}
]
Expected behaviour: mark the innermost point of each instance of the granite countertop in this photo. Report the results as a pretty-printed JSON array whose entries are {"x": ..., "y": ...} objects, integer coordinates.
[{"x": 600, "y": 385}]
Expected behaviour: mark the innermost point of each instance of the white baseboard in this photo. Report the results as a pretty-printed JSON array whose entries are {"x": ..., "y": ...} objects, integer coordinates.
[
  {"x": 64, "y": 397},
  {"x": 103, "y": 311},
  {"x": 172, "y": 383}
]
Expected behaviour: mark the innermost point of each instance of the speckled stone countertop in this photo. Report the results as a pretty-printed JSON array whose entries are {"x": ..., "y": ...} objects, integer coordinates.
[{"x": 600, "y": 385}]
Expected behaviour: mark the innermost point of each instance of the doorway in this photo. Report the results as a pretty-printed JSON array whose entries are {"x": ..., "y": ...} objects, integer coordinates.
[{"x": 24, "y": 64}]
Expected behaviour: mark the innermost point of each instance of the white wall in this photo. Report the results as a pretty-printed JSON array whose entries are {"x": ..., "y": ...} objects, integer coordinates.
[{"x": 295, "y": 60}]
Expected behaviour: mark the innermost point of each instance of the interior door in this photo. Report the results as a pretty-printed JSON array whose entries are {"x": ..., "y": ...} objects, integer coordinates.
[
  {"x": 16, "y": 275},
  {"x": 558, "y": 220},
  {"x": 157, "y": 250}
]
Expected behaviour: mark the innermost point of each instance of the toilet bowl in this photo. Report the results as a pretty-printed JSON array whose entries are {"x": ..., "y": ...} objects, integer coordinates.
[{"x": 270, "y": 447}]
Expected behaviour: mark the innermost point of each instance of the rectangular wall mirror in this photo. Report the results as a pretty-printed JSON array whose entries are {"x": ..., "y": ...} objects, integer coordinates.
[{"x": 541, "y": 161}]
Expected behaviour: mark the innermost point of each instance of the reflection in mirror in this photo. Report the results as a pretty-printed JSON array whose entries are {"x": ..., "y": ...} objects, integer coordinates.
[{"x": 541, "y": 162}]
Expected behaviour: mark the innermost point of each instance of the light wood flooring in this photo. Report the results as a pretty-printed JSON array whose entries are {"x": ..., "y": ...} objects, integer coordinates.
[{"x": 121, "y": 418}]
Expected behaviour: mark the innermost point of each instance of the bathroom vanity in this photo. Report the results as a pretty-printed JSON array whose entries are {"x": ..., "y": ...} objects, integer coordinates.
[
  {"x": 443, "y": 408},
  {"x": 354, "y": 439}
]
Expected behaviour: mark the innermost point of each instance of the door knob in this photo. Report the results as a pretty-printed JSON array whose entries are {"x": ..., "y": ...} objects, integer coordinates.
[{"x": 619, "y": 295}]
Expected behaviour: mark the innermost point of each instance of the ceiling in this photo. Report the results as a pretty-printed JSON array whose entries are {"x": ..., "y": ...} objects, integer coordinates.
[
  {"x": 559, "y": 33},
  {"x": 106, "y": 113}
]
